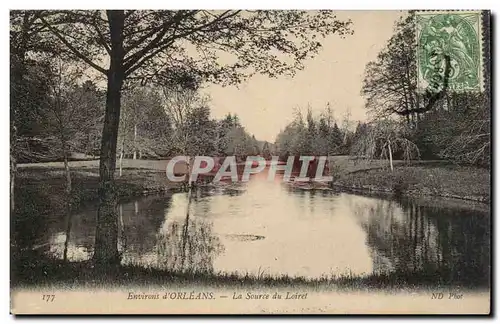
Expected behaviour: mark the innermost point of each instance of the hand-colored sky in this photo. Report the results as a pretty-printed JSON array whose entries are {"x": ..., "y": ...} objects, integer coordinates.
[{"x": 335, "y": 75}]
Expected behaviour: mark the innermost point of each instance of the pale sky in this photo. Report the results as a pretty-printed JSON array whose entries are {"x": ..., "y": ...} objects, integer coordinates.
[{"x": 265, "y": 106}]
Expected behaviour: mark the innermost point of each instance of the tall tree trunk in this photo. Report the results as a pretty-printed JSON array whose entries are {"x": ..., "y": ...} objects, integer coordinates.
[
  {"x": 106, "y": 239},
  {"x": 17, "y": 66},
  {"x": 13, "y": 172},
  {"x": 68, "y": 199},
  {"x": 122, "y": 149},
  {"x": 67, "y": 171},
  {"x": 13, "y": 163},
  {"x": 121, "y": 163},
  {"x": 121, "y": 156},
  {"x": 390, "y": 155},
  {"x": 188, "y": 208},
  {"x": 135, "y": 141},
  {"x": 16, "y": 77},
  {"x": 121, "y": 230}
]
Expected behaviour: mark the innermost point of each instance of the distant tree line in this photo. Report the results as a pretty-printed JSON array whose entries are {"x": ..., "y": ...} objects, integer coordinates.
[
  {"x": 315, "y": 135},
  {"x": 67, "y": 122}
]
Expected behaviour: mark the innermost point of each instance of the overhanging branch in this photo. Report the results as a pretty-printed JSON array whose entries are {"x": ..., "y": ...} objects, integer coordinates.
[
  {"x": 76, "y": 52},
  {"x": 134, "y": 61}
]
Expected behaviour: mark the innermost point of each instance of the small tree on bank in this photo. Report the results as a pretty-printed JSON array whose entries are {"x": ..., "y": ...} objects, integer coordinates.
[{"x": 382, "y": 140}]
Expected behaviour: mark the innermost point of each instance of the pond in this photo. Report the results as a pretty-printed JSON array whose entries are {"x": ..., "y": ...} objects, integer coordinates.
[{"x": 269, "y": 228}]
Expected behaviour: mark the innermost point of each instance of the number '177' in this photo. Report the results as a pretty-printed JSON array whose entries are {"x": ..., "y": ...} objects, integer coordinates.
[{"x": 48, "y": 298}]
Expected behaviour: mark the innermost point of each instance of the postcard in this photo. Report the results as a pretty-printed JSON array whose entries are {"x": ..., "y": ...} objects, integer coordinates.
[{"x": 250, "y": 162}]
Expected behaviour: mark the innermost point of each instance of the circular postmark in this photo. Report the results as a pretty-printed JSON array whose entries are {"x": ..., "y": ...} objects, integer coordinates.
[{"x": 449, "y": 39}]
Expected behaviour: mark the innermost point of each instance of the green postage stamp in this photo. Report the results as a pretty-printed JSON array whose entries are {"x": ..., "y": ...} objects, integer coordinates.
[{"x": 449, "y": 46}]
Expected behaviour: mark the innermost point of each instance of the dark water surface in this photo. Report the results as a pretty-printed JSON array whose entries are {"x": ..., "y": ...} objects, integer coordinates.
[{"x": 267, "y": 228}]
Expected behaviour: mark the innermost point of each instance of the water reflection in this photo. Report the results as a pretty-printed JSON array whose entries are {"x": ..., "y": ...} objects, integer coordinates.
[
  {"x": 141, "y": 220},
  {"x": 187, "y": 246},
  {"x": 449, "y": 243},
  {"x": 268, "y": 227}
]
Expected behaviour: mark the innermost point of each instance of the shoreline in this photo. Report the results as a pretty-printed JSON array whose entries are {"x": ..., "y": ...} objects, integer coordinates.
[
  {"x": 50, "y": 273},
  {"x": 45, "y": 185},
  {"x": 446, "y": 182},
  {"x": 411, "y": 194}
]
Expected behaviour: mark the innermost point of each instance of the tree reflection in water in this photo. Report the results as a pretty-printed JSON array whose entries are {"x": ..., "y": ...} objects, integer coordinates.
[
  {"x": 306, "y": 232},
  {"x": 189, "y": 244},
  {"x": 146, "y": 236},
  {"x": 141, "y": 219},
  {"x": 449, "y": 244}
]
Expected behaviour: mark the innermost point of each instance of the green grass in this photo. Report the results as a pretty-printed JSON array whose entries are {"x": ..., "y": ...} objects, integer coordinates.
[
  {"x": 40, "y": 187},
  {"x": 159, "y": 165},
  {"x": 37, "y": 271},
  {"x": 421, "y": 179}
]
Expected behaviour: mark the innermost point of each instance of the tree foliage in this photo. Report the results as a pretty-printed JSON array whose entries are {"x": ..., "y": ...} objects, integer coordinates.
[
  {"x": 459, "y": 132},
  {"x": 162, "y": 41},
  {"x": 442, "y": 123},
  {"x": 385, "y": 139},
  {"x": 319, "y": 135},
  {"x": 145, "y": 128},
  {"x": 390, "y": 82}
]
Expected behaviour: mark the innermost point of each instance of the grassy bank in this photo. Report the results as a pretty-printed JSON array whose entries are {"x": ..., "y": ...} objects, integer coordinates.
[
  {"x": 40, "y": 188},
  {"x": 46, "y": 272},
  {"x": 422, "y": 179},
  {"x": 43, "y": 183}
]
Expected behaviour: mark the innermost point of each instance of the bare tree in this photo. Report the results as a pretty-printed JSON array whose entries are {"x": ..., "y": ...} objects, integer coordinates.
[
  {"x": 25, "y": 40},
  {"x": 178, "y": 103},
  {"x": 462, "y": 132},
  {"x": 346, "y": 125},
  {"x": 192, "y": 131},
  {"x": 68, "y": 109}
]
